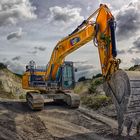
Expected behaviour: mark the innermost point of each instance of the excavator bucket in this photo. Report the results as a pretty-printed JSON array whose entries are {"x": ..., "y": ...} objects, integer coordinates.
[{"x": 124, "y": 88}]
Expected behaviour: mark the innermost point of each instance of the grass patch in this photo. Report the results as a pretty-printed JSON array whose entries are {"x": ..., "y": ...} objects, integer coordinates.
[
  {"x": 18, "y": 75},
  {"x": 81, "y": 87},
  {"x": 94, "y": 84},
  {"x": 11, "y": 95},
  {"x": 90, "y": 93},
  {"x": 96, "y": 102},
  {"x": 1, "y": 86},
  {"x": 22, "y": 96},
  {"x": 8, "y": 95}
]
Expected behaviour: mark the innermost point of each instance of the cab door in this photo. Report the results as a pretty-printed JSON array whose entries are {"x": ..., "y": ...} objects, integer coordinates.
[{"x": 68, "y": 80}]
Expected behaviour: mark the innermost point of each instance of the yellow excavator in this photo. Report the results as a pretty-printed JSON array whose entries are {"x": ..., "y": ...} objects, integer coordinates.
[{"x": 57, "y": 81}]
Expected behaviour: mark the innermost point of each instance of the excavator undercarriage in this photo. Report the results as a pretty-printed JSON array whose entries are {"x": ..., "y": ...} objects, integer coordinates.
[{"x": 36, "y": 100}]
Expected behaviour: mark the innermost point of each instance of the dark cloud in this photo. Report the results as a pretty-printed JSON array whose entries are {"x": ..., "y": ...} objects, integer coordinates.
[
  {"x": 128, "y": 20},
  {"x": 17, "y": 34},
  {"x": 32, "y": 52},
  {"x": 84, "y": 67},
  {"x": 86, "y": 73},
  {"x": 136, "y": 46},
  {"x": 36, "y": 49},
  {"x": 17, "y": 58},
  {"x": 136, "y": 43},
  {"x": 135, "y": 61},
  {"x": 130, "y": 51},
  {"x": 40, "y": 48},
  {"x": 13, "y": 11}
]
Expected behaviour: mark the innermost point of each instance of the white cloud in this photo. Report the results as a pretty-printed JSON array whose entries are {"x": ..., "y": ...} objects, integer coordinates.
[
  {"x": 15, "y": 67},
  {"x": 11, "y": 11},
  {"x": 121, "y": 51},
  {"x": 84, "y": 68},
  {"x": 136, "y": 47},
  {"x": 135, "y": 61},
  {"x": 66, "y": 15}
]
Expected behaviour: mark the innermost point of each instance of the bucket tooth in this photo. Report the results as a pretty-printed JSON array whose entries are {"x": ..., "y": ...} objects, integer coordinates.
[{"x": 72, "y": 100}]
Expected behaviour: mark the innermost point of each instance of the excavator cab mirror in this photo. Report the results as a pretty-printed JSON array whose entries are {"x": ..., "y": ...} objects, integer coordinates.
[
  {"x": 27, "y": 68},
  {"x": 75, "y": 70},
  {"x": 32, "y": 66}
]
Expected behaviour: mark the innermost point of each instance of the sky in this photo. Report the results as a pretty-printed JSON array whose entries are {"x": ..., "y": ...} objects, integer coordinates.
[{"x": 30, "y": 29}]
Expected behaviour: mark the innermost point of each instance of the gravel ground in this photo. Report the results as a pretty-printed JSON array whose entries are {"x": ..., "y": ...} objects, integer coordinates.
[{"x": 55, "y": 122}]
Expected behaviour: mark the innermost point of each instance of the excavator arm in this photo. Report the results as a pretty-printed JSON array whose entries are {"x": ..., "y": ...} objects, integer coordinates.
[{"x": 101, "y": 32}]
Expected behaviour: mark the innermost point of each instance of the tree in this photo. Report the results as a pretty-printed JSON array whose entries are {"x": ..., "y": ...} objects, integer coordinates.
[
  {"x": 2, "y": 66},
  {"x": 81, "y": 79},
  {"x": 97, "y": 76}
]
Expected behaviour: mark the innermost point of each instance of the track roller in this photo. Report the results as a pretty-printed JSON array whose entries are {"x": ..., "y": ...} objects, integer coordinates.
[
  {"x": 72, "y": 100},
  {"x": 35, "y": 100}
]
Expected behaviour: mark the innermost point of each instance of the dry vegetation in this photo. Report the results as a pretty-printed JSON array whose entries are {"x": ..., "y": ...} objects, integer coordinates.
[{"x": 91, "y": 93}]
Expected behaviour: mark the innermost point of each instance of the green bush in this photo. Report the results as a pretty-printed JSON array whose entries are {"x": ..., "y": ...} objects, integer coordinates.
[
  {"x": 97, "y": 76},
  {"x": 81, "y": 79},
  {"x": 22, "y": 96},
  {"x": 94, "y": 84},
  {"x": 2, "y": 66},
  {"x": 96, "y": 102},
  {"x": 10, "y": 95}
]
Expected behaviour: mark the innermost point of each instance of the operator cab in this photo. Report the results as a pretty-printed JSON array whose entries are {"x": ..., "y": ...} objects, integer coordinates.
[
  {"x": 64, "y": 77},
  {"x": 68, "y": 79}
]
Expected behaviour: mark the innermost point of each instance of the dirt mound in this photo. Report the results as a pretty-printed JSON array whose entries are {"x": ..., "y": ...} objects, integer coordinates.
[{"x": 10, "y": 83}]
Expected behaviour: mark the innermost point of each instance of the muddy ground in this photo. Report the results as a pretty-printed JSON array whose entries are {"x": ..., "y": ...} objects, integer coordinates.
[{"x": 55, "y": 122}]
